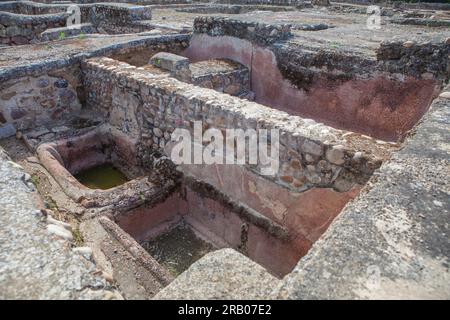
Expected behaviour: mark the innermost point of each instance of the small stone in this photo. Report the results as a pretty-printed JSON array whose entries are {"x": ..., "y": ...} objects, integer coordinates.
[
  {"x": 60, "y": 232},
  {"x": 84, "y": 251},
  {"x": 42, "y": 83},
  {"x": 65, "y": 225},
  {"x": 18, "y": 113},
  {"x": 15, "y": 165},
  {"x": 447, "y": 41},
  {"x": 60, "y": 129},
  {"x": 336, "y": 155},
  {"x": 312, "y": 148},
  {"x": 357, "y": 156},
  {"x": 48, "y": 103},
  {"x": 445, "y": 95},
  {"x": 61, "y": 83},
  {"x": 7, "y": 130},
  {"x": 408, "y": 44},
  {"x": 273, "y": 33},
  {"x": 19, "y": 40},
  {"x": 324, "y": 3},
  {"x": 427, "y": 76},
  {"x": 343, "y": 185},
  {"x": 13, "y": 30},
  {"x": 167, "y": 136},
  {"x": 297, "y": 183},
  {"x": 108, "y": 277},
  {"x": 313, "y": 178},
  {"x": 296, "y": 164},
  {"x": 67, "y": 96},
  {"x": 19, "y": 135},
  {"x": 7, "y": 96},
  {"x": 158, "y": 132},
  {"x": 38, "y": 133},
  {"x": 323, "y": 166},
  {"x": 288, "y": 179},
  {"x": 88, "y": 203},
  {"x": 309, "y": 158}
]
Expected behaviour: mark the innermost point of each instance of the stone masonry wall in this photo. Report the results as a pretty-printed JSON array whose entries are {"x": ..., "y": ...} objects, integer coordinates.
[
  {"x": 118, "y": 15},
  {"x": 26, "y": 21},
  {"x": 32, "y": 101},
  {"x": 152, "y": 106},
  {"x": 17, "y": 29},
  {"x": 259, "y": 33},
  {"x": 266, "y": 2}
]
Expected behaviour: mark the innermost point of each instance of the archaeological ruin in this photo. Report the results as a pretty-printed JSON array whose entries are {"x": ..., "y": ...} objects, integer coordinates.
[{"x": 236, "y": 149}]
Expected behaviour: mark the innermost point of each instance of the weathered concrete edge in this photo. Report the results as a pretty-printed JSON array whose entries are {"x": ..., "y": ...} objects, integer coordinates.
[
  {"x": 34, "y": 263},
  {"x": 222, "y": 274},
  {"x": 393, "y": 241}
]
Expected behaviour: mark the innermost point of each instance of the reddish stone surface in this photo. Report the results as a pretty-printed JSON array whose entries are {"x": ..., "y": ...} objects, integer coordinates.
[
  {"x": 218, "y": 225},
  {"x": 19, "y": 40},
  {"x": 225, "y": 229},
  {"x": 377, "y": 106},
  {"x": 139, "y": 222},
  {"x": 66, "y": 157}
]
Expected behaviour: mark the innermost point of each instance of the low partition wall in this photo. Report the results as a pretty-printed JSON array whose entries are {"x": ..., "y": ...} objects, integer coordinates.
[
  {"x": 24, "y": 22},
  {"x": 152, "y": 106},
  {"x": 17, "y": 29}
]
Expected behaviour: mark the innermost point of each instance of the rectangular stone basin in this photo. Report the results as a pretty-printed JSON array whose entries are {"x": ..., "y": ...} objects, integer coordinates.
[
  {"x": 96, "y": 168},
  {"x": 198, "y": 219}
]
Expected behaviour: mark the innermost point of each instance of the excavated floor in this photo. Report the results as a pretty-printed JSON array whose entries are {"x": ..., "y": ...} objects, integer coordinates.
[{"x": 177, "y": 248}]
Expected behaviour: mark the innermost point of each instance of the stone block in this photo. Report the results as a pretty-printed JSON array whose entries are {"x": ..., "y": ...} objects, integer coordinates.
[
  {"x": 169, "y": 61},
  {"x": 7, "y": 130}
]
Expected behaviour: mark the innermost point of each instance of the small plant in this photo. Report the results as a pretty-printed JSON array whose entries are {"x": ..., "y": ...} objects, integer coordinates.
[
  {"x": 35, "y": 179},
  {"x": 62, "y": 35},
  {"x": 51, "y": 204},
  {"x": 82, "y": 36},
  {"x": 142, "y": 196},
  {"x": 78, "y": 237},
  {"x": 334, "y": 44}
]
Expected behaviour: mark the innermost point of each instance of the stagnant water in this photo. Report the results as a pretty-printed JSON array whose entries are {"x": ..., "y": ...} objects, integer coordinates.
[
  {"x": 177, "y": 248},
  {"x": 104, "y": 177}
]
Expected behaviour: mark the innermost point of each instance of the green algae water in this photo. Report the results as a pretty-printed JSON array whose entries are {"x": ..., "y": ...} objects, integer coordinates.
[{"x": 104, "y": 177}]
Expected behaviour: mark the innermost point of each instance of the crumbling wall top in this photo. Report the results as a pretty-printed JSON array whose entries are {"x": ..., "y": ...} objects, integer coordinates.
[{"x": 260, "y": 33}]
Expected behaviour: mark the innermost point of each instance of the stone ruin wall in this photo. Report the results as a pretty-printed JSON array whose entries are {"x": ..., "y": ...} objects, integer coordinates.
[
  {"x": 18, "y": 29},
  {"x": 318, "y": 86},
  {"x": 30, "y": 101},
  {"x": 151, "y": 107},
  {"x": 261, "y": 2},
  {"x": 51, "y": 96},
  {"x": 30, "y": 22}
]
